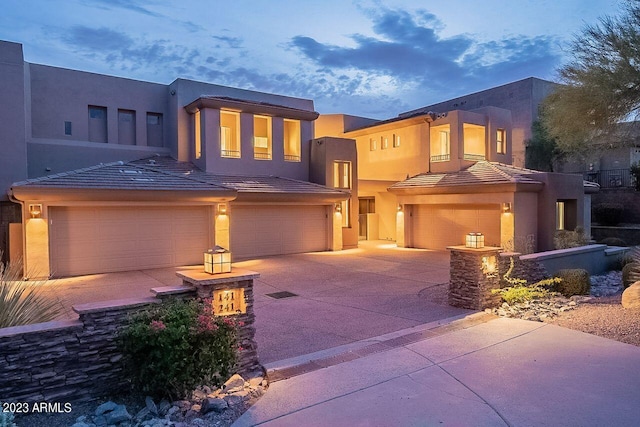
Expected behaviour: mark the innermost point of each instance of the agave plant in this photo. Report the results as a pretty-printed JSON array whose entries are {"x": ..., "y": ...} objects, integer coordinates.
[{"x": 23, "y": 302}]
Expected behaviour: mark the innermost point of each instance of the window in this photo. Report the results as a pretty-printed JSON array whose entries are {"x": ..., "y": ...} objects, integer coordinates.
[
  {"x": 373, "y": 144},
  {"x": 262, "y": 137},
  {"x": 197, "y": 134},
  {"x": 474, "y": 142},
  {"x": 291, "y": 140},
  {"x": 230, "y": 134},
  {"x": 67, "y": 128},
  {"x": 384, "y": 142},
  {"x": 97, "y": 124},
  {"x": 342, "y": 180},
  {"x": 396, "y": 140},
  {"x": 501, "y": 142},
  {"x": 127, "y": 127},
  {"x": 560, "y": 212},
  {"x": 154, "y": 130},
  {"x": 439, "y": 143}
]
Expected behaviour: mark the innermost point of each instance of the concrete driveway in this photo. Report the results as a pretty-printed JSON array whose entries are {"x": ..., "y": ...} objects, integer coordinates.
[{"x": 340, "y": 297}]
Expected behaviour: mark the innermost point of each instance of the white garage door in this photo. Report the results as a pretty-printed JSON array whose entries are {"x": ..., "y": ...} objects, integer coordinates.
[
  {"x": 436, "y": 227},
  {"x": 86, "y": 240},
  {"x": 274, "y": 230}
]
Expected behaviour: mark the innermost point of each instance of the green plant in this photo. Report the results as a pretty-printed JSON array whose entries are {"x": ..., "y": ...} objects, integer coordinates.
[
  {"x": 171, "y": 348},
  {"x": 608, "y": 213},
  {"x": 575, "y": 281},
  {"x": 565, "y": 239},
  {"x": 520, "y": 291},
  {"x": 23, "y": 302},
  {"x": 630, "y": 274}
]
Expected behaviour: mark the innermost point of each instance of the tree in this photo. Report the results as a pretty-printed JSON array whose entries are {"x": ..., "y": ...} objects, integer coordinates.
[
  {"x": 601, "y": 85},
  {"x": 541, "y": 149}
]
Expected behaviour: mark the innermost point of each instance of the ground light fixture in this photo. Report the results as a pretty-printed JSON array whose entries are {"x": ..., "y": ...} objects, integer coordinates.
[
  {"x": 474, "y": 240},
  {"x": 217, "y": 260}
]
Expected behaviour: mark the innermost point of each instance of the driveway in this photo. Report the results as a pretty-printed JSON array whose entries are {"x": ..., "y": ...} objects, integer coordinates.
[{"x": 339, "y": 297}]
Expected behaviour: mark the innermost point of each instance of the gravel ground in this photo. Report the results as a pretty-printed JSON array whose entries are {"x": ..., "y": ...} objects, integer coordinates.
[{"x": 605, "y": 317}]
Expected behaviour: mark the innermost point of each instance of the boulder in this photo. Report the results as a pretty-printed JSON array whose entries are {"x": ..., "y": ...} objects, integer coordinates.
[
  {"x": 235, "y": 382},
  {"x": 213, "y": 404},
  {"x": 631, "y": 296},
  {"x": 106, "y": 407}
]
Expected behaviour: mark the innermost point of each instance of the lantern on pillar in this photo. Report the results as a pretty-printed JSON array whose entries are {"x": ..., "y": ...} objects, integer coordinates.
[
  {"x": 217, "y": 260},
  {"x": 475, "y": 240}
]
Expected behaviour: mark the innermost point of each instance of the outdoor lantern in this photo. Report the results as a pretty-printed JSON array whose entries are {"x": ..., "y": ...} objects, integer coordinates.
[
  {"x": 217, "y": 260},
  {"x": 475, "y": 240},
  {"x": 35, "y": 210},
  {"x": 506, "y": 207}
]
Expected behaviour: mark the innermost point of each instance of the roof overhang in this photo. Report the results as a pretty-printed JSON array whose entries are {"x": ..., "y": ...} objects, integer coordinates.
[
  {"x": 300, "y": 198},
  {"x": 250, "y": 107},
  {"x": 469, "y": 189},
  {"x": 55, "y": 194}
]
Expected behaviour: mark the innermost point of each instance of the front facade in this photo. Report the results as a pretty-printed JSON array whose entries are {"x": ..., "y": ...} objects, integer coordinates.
[{"x": 112, "y": 174}]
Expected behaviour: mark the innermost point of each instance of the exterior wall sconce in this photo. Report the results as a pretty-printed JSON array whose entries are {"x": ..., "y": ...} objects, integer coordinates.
[
  {"x": 400, "y": 208},
  {"x": 35, "y": 210},
  {"x": 474, "y": 240},
  {"x": 217, "y": 260},
  {"x": 507, "y": 207},
  {"x": 222, "y": 208},
  {"x": 338, "y": 208}
]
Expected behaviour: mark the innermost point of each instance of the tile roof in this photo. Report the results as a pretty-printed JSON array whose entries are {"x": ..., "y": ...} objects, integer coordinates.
[
  {"x": 480, "y": 173},
  {"x": 242, "y": 184}
]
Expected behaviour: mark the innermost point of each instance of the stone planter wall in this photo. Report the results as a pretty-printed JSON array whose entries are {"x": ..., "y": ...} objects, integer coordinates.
[
  {"x": 470, "y": 284},
  {"x": 78, "y": 360}
]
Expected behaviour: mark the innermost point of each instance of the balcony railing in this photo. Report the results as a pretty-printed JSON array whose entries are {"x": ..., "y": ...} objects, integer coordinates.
[
  {"x": 473, "y": 157},
  {"x": 262, "y": 156},
  {"x": 292, "y": 157},
  {"x": 230, "y": 153},
  {"x": 441, "y": 158},
  {"x": 611, "y": 178}
]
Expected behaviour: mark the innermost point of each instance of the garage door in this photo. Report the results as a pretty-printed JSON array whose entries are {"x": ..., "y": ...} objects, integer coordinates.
[
  {"x": 273, "y": 230},
  {"x": 436, "y": 227},
  {"x": 87, "y": 240}
]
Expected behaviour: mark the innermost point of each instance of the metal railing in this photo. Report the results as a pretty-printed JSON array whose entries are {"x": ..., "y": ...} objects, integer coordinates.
[
  {"x": 262, "y": 156},
  {"x": 610, "y": 178},
  {"x": 473, "y": 157},
  {"x": 291, "y": 157},
  {"x": 441, "y": 158},
  {"x": 234, "y": 154}
]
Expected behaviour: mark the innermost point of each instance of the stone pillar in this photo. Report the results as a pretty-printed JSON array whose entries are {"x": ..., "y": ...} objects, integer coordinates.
[
  {"x": 231, "y": 295},
  {"x": 474, "y": 273}
]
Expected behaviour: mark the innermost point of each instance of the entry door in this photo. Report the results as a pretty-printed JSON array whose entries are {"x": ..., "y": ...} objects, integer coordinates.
[{"x": 366, "y": 205}]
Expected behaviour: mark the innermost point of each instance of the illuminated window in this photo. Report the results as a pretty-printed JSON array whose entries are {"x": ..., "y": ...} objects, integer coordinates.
[
  {"x": 440, "y": 143},
  {"x": 291, "y": 140},
  {"x": 384, "y": 142},
  {"x": 373, "y": 144},
  {"x": 230, "y": 134},
  {"x": 560, "y": 215},
  {"x": 501, "y": 141},
  {"x": 262, "y": 137},
  {"x": 342, "y": 179},
  {"x": 474, "y": 142},
  {"x": 197, "y": 134},
  {"x": 396, "y": 140}
]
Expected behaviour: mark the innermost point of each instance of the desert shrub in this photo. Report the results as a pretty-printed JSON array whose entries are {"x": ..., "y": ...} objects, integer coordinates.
[
  {"x": 630, "y": 274},
  {"x": 575, "y": 281},
  {"x": 23, "y": 302},
  {"x": 608, "y": 213},
  {"x": 565, "y": 239},
  {"x": 520, "y": 291},
  {"x": 172, "y": 348},
  {"x": 613, "y": 241}
]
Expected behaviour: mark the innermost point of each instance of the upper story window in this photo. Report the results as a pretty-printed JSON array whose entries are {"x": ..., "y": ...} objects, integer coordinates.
[
  {"x": 154, "y": 130},
  {"x": 474, "y": 142},
  {"x": 373, "y": 144},
  {"x": 291, "y": 140},
  {"x": 342, "y": 179},
  {"x": 197, "y": 131},
  {"x": 501, "y": 141},
  {"x": 396, "y": 140},
  {"x": 262, "y": 137},
  {"x": 230, "y": 134},
  {"x": 97, "y": 124},
  {"x": 127, "y": 127},
  {"x": 440, "y": 144},
  {"x": 384, "y": 142}
]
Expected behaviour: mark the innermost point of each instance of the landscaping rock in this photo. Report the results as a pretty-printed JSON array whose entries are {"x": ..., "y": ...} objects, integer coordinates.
[
  {"x": 118, "y": 415},
  {"x": 213, "y": 404},
  {"x": 106, "y": 407},
  {"x": 235, "y": 382},
  {"x": 631, "y": 296},
  {"x": 163, "y": 407},
  {"x": 151, "y": 405}
]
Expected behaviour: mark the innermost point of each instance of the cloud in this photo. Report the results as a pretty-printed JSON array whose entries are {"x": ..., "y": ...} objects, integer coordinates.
[
  {"x": 96, "y": 39},
  {"x": 133, "y": 5}
]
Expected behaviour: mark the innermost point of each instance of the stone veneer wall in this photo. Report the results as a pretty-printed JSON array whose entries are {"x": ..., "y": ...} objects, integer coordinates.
[
  {"x": 469, "y": 286},
  {"x": 530, "y": 270},
  {"x": 78, "y": 360}
]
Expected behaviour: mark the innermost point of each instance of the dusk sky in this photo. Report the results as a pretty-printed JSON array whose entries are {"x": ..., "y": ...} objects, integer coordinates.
[{"x": 374, "y": 58}]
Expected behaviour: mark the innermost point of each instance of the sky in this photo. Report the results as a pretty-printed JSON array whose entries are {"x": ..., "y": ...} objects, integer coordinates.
[{"x": 372, "y": 58}]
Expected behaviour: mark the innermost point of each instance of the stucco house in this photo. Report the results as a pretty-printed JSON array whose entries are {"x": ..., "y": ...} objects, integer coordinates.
[
  {"x": 428, "y": 178},
  {"x": 103, "y": 174}
]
